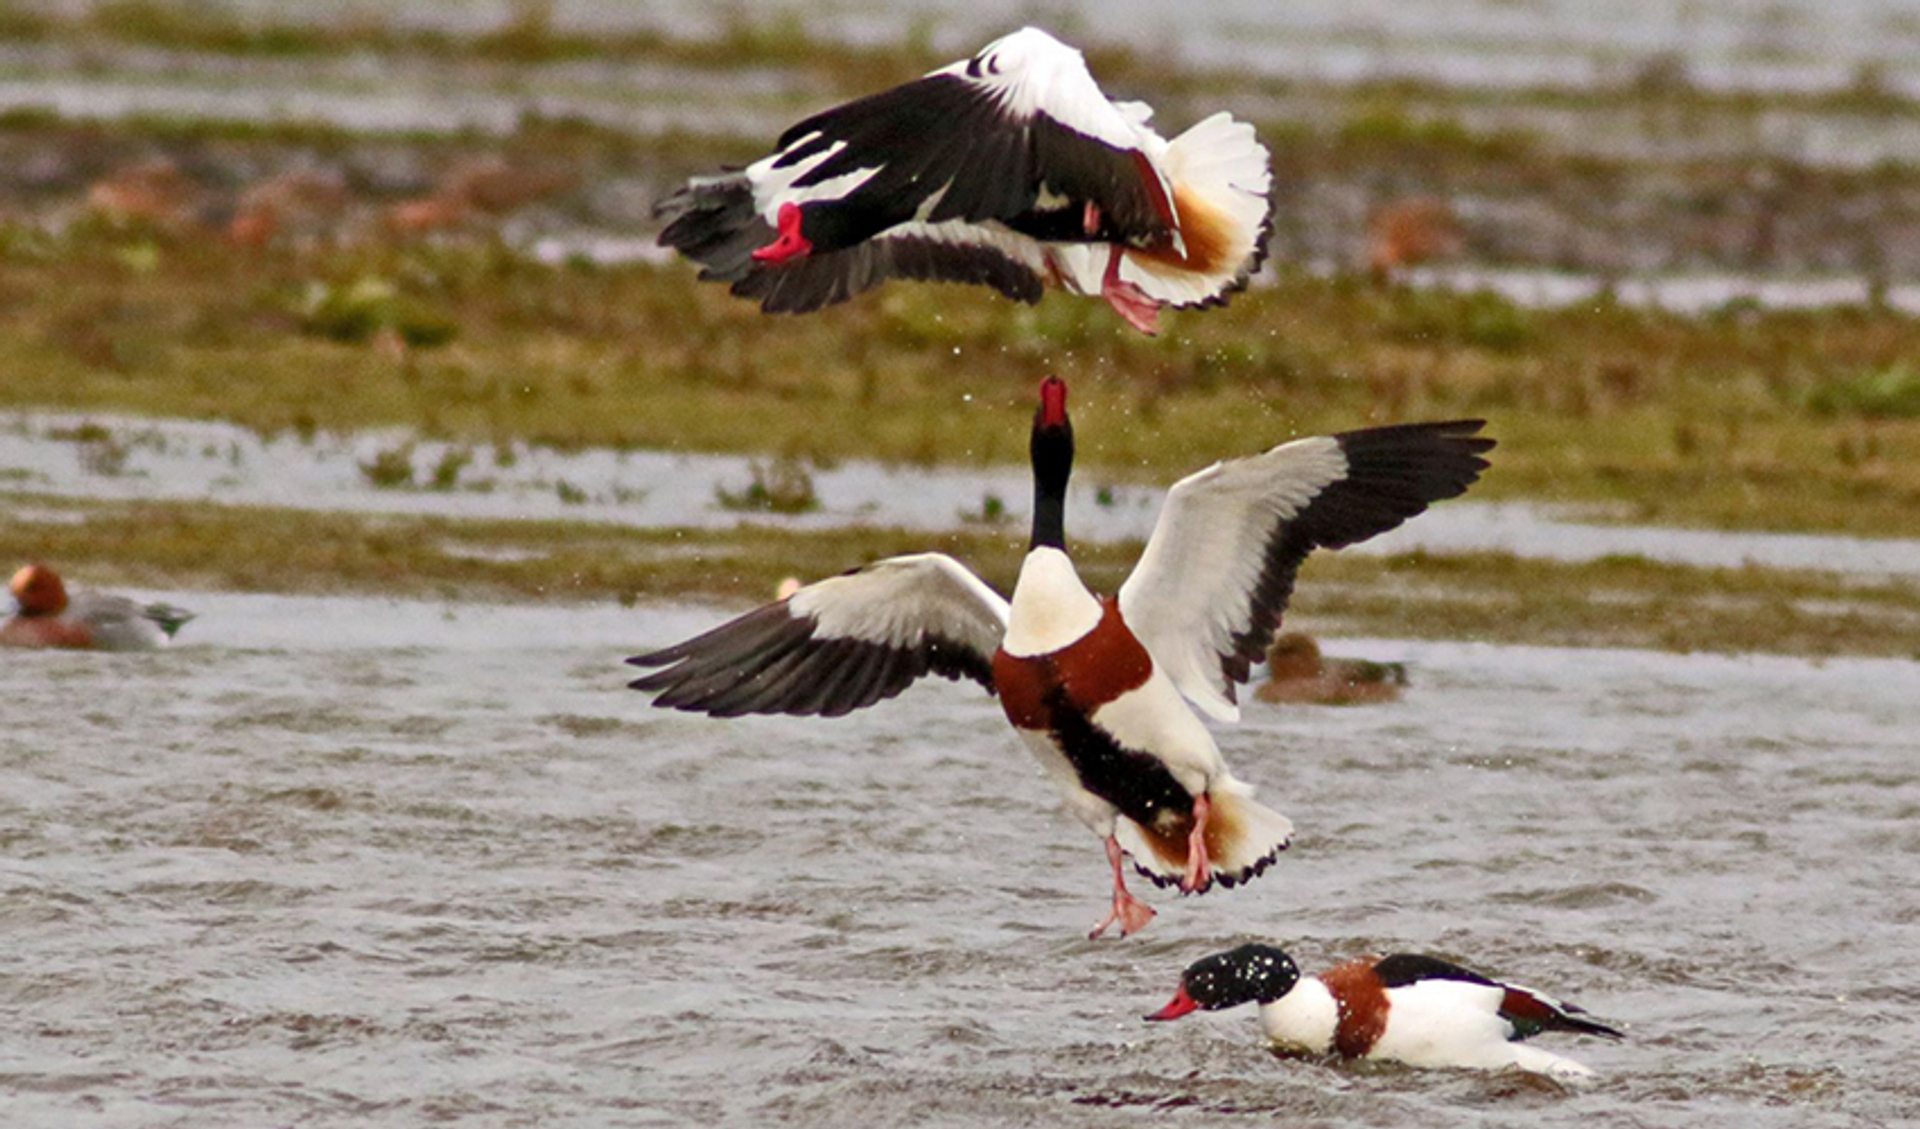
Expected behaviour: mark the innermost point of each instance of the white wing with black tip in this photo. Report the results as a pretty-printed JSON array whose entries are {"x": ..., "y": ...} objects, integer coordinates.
[
  {"x": 1207, "y": 594},
  {"x": 839, "y": 644}
]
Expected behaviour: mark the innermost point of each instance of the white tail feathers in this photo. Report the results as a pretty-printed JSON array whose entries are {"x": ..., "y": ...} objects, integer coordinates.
[
  {"x": 1252, "y": 835},
  {"x": 1221, "y": 180},
  {"x": 1243, "y": 838}
]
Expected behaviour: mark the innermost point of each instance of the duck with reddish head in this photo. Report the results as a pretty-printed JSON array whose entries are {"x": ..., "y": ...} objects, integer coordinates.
[
  {"x": 48, "y": 617},
  {"x": 1102, "y": 689}
]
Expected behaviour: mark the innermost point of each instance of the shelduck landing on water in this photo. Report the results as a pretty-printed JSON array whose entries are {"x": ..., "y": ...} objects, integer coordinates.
[
  {"x": 1102, "y": 689},
  {"x": 1010, "y": 170}
]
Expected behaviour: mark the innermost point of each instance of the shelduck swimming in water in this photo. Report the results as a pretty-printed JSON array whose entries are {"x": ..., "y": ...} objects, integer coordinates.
[
  {"x": 48, "y": 618},
  {"x": 1419, "y": 1010},
  {"x": 1011, "y": 170},
  {"x": 1095, "y": 686}
]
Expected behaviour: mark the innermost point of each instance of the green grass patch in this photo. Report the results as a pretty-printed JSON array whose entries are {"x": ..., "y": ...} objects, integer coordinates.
[
  {"x": 1892, "y": 393},
  {"x": 1663, "y": 418}
]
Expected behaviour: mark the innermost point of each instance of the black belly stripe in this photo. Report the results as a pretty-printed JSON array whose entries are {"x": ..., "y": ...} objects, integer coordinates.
[{"x": 1135, "y": 782}]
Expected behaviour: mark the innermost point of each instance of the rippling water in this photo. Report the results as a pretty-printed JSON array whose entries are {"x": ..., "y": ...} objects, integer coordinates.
[{"x": 339, "y": 862}]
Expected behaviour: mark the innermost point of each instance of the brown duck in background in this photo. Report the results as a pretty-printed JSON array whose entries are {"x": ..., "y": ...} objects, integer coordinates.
[
  {"x": 299, "y": 205},
  {"x": 476, "y": 190},
  {"x": 1408, "y": 232},
  {"x": 1297, "y": 674},
  {"x": 156, "y": 192},
  {"x": 48, "y": 617}
]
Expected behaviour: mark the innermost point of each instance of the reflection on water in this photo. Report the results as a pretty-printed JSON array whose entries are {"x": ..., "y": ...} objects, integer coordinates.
[{"x": 372, "y": 863}]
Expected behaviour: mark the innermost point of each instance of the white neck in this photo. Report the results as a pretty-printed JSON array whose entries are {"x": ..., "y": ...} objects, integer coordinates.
[
  {"x": 1051, "y": 608},
  {"x": 1304, "y": 1019}
]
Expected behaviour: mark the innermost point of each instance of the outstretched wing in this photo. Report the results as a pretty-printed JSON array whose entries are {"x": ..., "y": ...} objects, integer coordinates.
[
  {"x": 1207, "y": 594},
  {"x": 1018, "y": 130},
  {"x": 981, "y": 254},
  {"x": 839, "y": 644},
  {"x": 1529, "y": 1012}
]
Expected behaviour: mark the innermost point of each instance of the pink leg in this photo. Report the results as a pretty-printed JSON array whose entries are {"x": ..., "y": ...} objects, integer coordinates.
[
  {"x": 1199, "y": 868},
  {"x": 1090, "y": 218},
  {"x": 788, "y": 243},
  {"x": 1132, "y": 913},
  {"x": 1128, "y": 300}
]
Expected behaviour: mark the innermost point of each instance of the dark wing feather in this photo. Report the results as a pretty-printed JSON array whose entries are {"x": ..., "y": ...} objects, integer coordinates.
[
  {"x": 711, "y": 220},
  {"x": 838, "y": 645},
  {"x": 805, "y": 284},
  {"x": 1207, "y": 594},
  {"x": 1393, "y": 474},
  {"x": 1531, "y": 1013},
  {"x": 1402, "y": 969},
  {"x": 951, "y": 135}
]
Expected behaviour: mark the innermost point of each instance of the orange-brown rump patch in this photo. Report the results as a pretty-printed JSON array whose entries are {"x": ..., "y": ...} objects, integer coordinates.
[
  {"x": 1168, "y": 838},
  {"x": 1207, "y": 232}
]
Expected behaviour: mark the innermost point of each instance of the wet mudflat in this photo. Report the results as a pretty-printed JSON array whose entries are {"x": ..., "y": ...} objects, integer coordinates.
[
  {"x": 52, "y": 454},
  {"x": 351, "y": 862}
]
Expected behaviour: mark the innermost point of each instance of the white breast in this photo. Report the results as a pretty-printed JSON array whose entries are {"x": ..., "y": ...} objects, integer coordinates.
[
  {"x": 1303, "y": 1019},
  {"x": 1051, "y": 607}
]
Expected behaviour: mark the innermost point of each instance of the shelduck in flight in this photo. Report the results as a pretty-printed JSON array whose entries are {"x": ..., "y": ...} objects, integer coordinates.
[
  {"x": 1418, "y": 1010},
  {"x": 1011, "y": 170},
  {"x": 47, "y": 617},
  {"x": 1095, "y": 685}
]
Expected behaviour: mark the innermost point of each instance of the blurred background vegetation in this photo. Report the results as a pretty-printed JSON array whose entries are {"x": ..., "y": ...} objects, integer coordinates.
[{"x": 1681, "y": 281}]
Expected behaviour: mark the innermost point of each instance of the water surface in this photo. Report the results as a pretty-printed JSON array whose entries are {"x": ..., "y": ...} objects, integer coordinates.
[{"x": 373, "y": 863}]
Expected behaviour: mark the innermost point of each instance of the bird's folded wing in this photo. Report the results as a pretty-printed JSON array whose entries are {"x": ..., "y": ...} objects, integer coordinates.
[
  {"x": 839, "y": 644},
  {"x": 1207, "y": 594},
  {"x": 1528, "y": 1010}
]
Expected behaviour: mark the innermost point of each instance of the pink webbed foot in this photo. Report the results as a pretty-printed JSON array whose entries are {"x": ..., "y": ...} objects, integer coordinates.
[
  {"x": 1199, "y": 873},
  {"x": 788, "y": 243},
  {"x": 1132, "y": 913},
  {"x": 1128, "y": 300}
]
